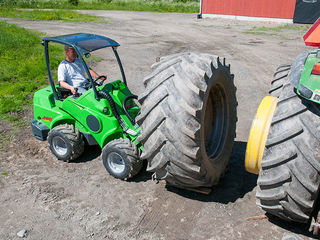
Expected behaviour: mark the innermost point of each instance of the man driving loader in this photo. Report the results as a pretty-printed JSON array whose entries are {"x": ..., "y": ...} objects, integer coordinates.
[{"x": 71, "y": 73}]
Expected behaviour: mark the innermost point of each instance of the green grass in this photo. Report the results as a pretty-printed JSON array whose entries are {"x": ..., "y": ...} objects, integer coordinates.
[
  {"x": 288, "y": 31},
  {"x": 281, "y": 28},
  {"x": 64, "y": 15},
  {"x": 183, "y": 6},
  {"x": 5, "y": 174},
  {"x": 22, "y": 67}
]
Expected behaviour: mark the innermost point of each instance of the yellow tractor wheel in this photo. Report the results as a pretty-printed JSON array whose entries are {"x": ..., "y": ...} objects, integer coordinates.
[{"x": 258, "y": 134}]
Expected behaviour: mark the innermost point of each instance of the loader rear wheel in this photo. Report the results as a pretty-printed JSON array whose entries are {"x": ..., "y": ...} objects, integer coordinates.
[
  {"x": 188, "y": 119},
  {"x": 280, "y": 78},
  {"x": 65, "y": 142},
  {"x": 289, "y": 177}
]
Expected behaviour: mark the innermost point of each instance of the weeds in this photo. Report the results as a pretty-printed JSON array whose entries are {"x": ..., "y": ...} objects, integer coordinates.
[{"x": 64, "y": 15}]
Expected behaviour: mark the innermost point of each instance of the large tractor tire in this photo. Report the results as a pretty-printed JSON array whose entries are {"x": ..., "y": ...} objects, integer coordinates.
[
  {"x": 188, "y": 119},
  {"x": 280, "y": 78},
  {"x": 66, "y": 142},
  {"x": 289, "y": 179}
]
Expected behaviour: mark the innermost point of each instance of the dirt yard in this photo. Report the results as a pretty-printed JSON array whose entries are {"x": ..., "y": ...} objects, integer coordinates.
[{"x": 56, "y": 200}]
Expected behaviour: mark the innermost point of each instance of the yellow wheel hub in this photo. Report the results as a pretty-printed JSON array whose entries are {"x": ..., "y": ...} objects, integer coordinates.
[{"x": 259, "y": 133}]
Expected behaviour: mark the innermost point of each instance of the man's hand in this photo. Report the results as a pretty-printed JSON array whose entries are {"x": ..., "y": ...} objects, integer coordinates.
[{"x": 73, "y": 90}]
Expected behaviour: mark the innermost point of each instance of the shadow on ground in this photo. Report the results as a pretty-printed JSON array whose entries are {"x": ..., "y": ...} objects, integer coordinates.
[
  {"x": 236, "y": 183},
  {"x": 294, "y": 227},
  {"x": 90, "y": 153}
]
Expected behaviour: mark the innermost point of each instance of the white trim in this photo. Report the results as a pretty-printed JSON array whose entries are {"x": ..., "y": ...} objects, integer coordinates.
[{"x": 245, "y": 18}]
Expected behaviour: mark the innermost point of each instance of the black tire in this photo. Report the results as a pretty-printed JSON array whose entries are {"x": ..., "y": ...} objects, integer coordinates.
[
  {"x": 280, "y": 78},
  {"x": 289, "y": 179},
  {"x": 66, "y": 142},
  {"x": 121, "y": 159},
  {"x": 188, "y": 119}
]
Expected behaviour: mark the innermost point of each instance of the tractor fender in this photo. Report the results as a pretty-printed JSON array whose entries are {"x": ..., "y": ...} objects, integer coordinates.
[
  {"x": 109, "y": 137},
  {"x": 297, "y": 68},
  {"x": 62, "y": 119}
]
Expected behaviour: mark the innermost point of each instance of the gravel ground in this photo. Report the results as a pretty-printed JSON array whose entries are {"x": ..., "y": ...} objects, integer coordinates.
[{"x": 79, "y": 200}]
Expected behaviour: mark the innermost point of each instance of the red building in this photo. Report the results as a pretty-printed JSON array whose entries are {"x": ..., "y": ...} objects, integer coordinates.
[{"x": 277, "y": 10}]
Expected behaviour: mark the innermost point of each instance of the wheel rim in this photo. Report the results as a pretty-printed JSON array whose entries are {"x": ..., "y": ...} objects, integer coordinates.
[
  {"x": 59, "y": 145},
  {"x": 215, "y": 121},
  {"x": 116, "y": 162},
  {"x": 259, "y": 133}
]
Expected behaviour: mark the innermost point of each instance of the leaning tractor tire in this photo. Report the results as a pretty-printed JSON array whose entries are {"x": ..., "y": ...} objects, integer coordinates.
[
  {"x": 280, "y": 78},
  {"x": 66, "y": 142},
  {"x": 121, "y": 159},
  {"x": 188, "y": 119},
  {"x": 289, "y": 178}
]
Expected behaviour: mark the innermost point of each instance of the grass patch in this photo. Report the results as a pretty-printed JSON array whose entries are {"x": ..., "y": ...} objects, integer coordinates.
[
  {"x": 288, "y": 31},
  {"x": 281, "y": 28},
  {"x": 5, "y": 174},
  {"x": 22, "y": 67},
  {"x": 64, "y": 15},
  {"x": 4, "y": 139},
  {"x": 182, "y": 6}
]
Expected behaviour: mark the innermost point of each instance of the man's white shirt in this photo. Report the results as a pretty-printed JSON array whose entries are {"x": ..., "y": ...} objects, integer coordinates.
[{"x": 72, "y": 72}]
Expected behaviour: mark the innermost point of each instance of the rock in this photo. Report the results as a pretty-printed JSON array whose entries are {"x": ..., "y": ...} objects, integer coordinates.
[
  {"x": 97, "y": 213},
  {"x": 291, "y": 236},
  {"x": 23, "y": 233}
]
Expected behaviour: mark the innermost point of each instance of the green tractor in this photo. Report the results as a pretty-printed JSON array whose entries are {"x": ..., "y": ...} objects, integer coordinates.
[
  {"x": 284, "y": 142},
  {"x": 184, "y": 127}
]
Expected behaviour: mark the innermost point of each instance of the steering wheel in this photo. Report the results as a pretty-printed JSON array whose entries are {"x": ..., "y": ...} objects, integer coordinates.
[{"x": 101, "y": 78}]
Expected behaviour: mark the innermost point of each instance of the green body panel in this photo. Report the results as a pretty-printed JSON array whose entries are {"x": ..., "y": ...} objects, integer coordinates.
[
  {"x": 308, "y": 80},
  {"x": 75, "y": 111}
]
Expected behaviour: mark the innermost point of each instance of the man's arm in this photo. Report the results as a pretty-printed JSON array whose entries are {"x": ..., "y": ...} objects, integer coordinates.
[
  {"x": 68, "y": 86},
  {"x": 95, "y": 75}
]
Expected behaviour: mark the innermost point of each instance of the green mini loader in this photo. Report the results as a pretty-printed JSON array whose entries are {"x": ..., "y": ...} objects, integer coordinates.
[
  {"x": 284, "y": 142},
  {"x": 187, "y": 117},
  {"x": 103, "y": 115}
]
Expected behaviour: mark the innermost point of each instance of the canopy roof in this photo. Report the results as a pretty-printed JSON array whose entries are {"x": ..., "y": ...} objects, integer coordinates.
[
  {"x": 312, "y": 37},
  {"x": 85, "y": 42}
]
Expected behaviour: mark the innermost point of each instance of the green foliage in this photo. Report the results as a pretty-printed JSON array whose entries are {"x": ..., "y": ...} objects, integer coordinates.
[
  {"x": 186, "y": 6},
  {"x": 74, "y": 2},
  {"x": 22, "y": 66},
  {"x": 5, "y": 174},
  {"x": 64, "y": 15}
]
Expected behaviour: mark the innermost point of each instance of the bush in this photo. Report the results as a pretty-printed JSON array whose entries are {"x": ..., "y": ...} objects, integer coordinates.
[{"x": 74, "y": 2}]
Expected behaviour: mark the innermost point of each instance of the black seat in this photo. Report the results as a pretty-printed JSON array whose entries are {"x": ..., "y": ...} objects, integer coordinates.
[{"x": 63, "y": 92}]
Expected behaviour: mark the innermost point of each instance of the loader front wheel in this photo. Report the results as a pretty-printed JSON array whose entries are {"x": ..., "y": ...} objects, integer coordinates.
[
  {"x": 121, "y": 159},
  {"x": 188, "y": 119}
]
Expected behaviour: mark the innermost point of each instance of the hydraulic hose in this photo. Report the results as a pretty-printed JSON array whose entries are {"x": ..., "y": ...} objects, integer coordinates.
[
  {"x": 125, "y": 109},
  {"x": 113, "y": 108}
]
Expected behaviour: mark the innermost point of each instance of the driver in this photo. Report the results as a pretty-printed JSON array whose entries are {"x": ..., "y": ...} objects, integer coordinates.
[{"x": 71, "y": 73}]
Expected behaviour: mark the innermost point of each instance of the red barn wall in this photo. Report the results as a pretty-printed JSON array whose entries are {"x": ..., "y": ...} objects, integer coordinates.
[{"x": 251, "y": 8}]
